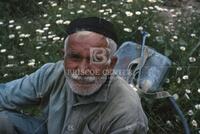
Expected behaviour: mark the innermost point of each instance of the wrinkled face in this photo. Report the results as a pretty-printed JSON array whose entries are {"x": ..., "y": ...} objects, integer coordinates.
[{"x": 87, "y": 62}]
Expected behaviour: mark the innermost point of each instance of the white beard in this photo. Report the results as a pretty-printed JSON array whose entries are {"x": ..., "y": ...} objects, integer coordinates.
[{"x": 85, "y": 85}]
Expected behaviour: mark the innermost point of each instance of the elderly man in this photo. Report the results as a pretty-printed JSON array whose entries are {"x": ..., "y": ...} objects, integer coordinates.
[{"x": 80, "y": 95}]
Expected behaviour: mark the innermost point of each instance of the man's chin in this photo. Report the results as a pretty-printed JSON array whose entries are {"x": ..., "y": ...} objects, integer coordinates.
[{"x": 84, "y": 90}]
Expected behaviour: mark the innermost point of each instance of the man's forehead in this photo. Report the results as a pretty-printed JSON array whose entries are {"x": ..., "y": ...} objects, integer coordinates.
[
  {"x": 87, "y": 38},
  {"x": 87, "y": 34}
]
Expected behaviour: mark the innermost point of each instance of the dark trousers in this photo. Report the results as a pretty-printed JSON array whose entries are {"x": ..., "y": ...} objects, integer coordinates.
[{"x": 17, "y": 123}]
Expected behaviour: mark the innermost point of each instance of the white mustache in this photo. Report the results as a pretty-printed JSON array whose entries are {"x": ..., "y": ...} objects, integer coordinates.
[{"x": 75, "y": 76}]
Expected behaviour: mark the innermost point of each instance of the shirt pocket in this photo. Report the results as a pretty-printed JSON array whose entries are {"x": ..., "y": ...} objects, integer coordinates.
[{"x": 87, "y": 130}]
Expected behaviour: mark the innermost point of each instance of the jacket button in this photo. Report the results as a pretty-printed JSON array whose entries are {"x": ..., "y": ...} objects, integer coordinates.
[{"x": 70, "y": 128}]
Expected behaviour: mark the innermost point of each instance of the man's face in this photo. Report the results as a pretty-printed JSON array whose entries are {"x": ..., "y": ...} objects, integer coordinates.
[{"x": 86, "y": 62}]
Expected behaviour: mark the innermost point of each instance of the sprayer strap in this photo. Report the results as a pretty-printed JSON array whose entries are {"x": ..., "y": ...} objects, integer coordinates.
[
  {"x": 162, "y": 94},
  {"x": 138, "y": 61},
  {"x": 156, "y": 95}
]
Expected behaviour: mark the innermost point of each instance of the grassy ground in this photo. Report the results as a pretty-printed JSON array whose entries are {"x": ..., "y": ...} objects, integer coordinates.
[{"x": 31, "y": 34}]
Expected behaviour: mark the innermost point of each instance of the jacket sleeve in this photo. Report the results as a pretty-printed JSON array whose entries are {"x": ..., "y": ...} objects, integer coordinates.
[
  {"x": 132, "y": 129},
  {"x": 131, "y": 123},
  {"x": 25, "y": 91},
  {"x": 132, "y": 119}
]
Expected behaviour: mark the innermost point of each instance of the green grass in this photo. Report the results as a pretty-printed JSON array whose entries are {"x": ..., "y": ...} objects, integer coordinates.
[{"x": 36, "y": 42}]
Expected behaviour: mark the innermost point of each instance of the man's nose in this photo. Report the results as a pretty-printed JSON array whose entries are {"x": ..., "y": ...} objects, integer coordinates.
[{"x": 83, "y": 67}]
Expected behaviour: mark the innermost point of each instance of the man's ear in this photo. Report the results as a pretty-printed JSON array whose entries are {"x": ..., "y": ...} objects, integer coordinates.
[
  {"x": 113, "y": 62},
  {"x": 62, "y": 52},
  {"x": 111, "y": 66}
]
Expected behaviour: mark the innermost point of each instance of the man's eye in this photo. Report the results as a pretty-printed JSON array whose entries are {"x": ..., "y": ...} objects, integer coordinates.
[
  {"x": 97, "y": 59},
  {"x": 74, "y": 56}
]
